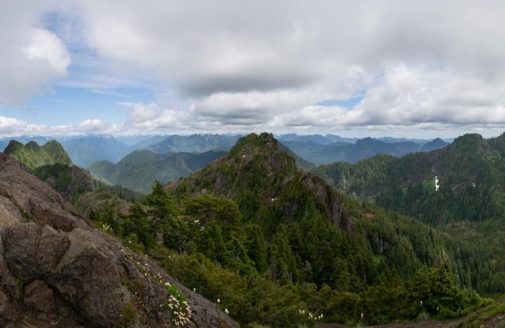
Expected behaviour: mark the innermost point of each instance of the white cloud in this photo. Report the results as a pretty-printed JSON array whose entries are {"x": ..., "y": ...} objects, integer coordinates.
[
  {"x": 249, "y": 108},
  {"x": 163, "y": 120},
  {"x": 263, "y": 63},
  {"x": 141, "y": 112},
  {"x": 9, "y": 125},
  {"x": 48, "y": 48},
  {"x": 31, "y": 55},
  {"x": 14, "y": 127},
  {"x": 413, "y": 95},
  {"x": 91, "y": 125},
  {"x": 253, "y": 65}
]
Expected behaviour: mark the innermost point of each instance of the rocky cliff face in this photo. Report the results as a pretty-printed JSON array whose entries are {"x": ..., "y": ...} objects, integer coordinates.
[{"x": 57, "y": 271}]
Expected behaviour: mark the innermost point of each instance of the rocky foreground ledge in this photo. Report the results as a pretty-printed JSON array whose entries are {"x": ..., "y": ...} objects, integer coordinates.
[{"x": 56, "y": 270}]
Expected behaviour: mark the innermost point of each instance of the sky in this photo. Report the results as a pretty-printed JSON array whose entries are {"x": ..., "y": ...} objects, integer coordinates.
[{"x": 418, "y": 68}]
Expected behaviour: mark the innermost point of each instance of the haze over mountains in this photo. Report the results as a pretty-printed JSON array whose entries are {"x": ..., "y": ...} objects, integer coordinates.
[
  {"x": 317, "y": 149},
  {"x": 319, "y": 153},
  {"x": 137, "y": 162}
]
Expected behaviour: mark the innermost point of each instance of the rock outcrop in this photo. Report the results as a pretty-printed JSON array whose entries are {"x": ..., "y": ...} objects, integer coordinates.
[{"x": 56, "y": 270}]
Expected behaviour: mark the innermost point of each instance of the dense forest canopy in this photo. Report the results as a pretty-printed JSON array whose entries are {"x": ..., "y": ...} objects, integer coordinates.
[{"x": 277, "y": 245}]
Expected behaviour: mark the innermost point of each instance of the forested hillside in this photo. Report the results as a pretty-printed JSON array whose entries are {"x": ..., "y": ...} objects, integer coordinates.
[
  {"x": 140, "y": 169},
  {"x": 52, "y": 164},
  {"x": 274, "y": 245},
  {"x": 464, "y": 181},
  {"x": 279, "y": 246},
  {"x": 33, "y": 156},
  {"x": 459, "y": 189}
]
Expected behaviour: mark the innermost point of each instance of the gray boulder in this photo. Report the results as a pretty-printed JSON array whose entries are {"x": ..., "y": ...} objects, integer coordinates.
[{"x": 56, "y": 270}]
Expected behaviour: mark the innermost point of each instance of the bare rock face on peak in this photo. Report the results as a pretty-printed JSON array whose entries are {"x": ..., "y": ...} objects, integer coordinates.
[{"x": 56, "y": 270}]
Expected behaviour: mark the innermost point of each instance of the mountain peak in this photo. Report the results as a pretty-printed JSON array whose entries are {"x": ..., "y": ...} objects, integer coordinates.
[
  {"x": 12, "y": 146},
  {"x": 264, "y": 140},
  {"x": 32, "y": 155},
  {"x": 260, "y": 168},
  {"x": 265, "y": 150},
  {"x": 471, "y": 143},
  {"x": 436, "y": 143},
  {"x": 369, "y": 141},
  {"x": 469, "y": 138}
]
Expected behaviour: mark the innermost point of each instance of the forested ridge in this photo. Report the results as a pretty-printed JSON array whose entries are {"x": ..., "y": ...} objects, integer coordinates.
[
  {"x": 141, "y": 168},
  {"x": 79, "y": 187},
  {"x": 32, "y": 156},
  {"x": 276, "y": 246},
  {"x": 469, "y": 202},
  {"x": 469, "y": 174}
]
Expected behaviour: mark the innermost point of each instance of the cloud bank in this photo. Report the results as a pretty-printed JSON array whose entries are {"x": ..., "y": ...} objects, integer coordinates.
[{"x": 263, "y": 65}]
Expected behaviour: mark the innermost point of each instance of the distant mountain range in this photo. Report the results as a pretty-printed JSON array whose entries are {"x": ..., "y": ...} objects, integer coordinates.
[
  {"x": 136, "y": 162},
  {"x": 463, "y": 181},
  {"x": 87, "y": 150},
  {"x": 317, "y": 149},
  {"x": 316, "y": 138},
  {"x": 434, "y": 144},
  {"x": 140, "y": 169},
  {"x": 196, "y": 143},
  {"x": 319, "y": 153}
]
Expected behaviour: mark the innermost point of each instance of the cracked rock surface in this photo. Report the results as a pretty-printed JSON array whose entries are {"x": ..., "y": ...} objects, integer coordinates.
[{"x": 56, "y": 270}]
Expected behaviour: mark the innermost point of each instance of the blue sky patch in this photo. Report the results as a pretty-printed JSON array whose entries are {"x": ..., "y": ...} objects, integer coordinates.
[{"x": 346, "y": 103}]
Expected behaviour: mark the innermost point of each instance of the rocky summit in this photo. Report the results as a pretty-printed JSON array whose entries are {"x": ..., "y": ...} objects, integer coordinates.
[{"x": 56, "y": 270}]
